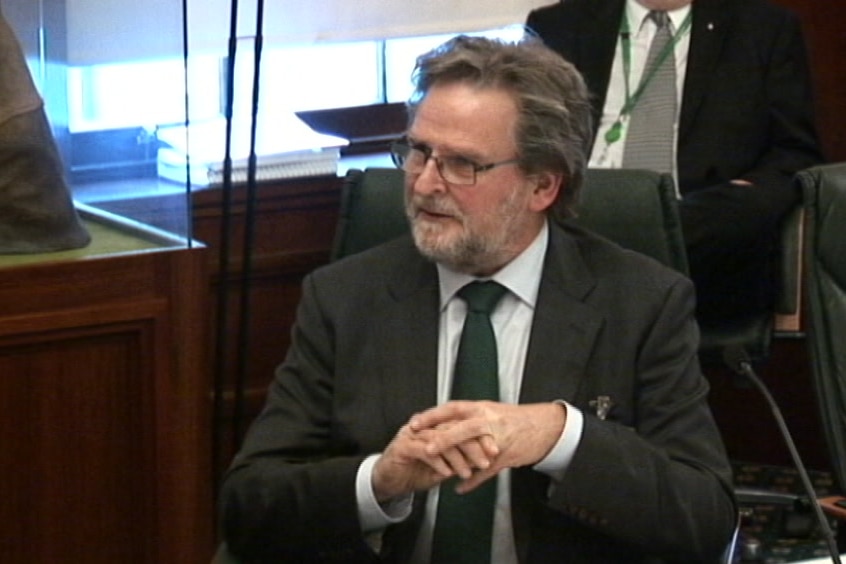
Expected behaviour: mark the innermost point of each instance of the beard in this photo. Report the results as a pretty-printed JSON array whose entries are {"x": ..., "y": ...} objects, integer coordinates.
[{"x": 470, "y": 244}]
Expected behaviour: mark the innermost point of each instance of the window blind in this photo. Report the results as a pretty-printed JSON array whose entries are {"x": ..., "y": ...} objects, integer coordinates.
[{"x": 126, "y": 30}]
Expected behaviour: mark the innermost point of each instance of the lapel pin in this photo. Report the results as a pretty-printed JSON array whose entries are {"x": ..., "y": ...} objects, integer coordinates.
[
  {"x": 602, "y": 405},
  {"x": 710, "y": 26}
]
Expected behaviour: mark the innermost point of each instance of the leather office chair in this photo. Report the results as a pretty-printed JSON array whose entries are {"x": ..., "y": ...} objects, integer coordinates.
[
  {"x": 755, "y": 334},
  {"x": 377, "y": 195},
  {"x": 636, "y": 209},
  {"x": 824, "y": 197}
]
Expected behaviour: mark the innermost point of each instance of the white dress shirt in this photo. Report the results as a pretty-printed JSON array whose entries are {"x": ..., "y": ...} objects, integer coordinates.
[
  {"x": 512, "y": 320},
  {"x": 642, "y": 30}
]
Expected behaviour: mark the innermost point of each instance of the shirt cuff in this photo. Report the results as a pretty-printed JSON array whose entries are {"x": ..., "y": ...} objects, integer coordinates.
[
  {"x": 555, "y": 463},
  {"x": 371, "y": 514}
]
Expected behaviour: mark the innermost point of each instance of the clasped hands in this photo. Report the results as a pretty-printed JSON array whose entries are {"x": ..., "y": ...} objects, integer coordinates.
[{"x": 473, "y": 440}]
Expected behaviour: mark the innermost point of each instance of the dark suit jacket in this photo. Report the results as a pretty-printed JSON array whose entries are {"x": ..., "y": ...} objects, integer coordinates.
[
  {"x": 652, "y": 480},
  {"x": 747, "y": 109}
]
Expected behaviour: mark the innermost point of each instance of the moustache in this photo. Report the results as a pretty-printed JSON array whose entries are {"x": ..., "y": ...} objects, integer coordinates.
[{"x": 440, "y": 205}]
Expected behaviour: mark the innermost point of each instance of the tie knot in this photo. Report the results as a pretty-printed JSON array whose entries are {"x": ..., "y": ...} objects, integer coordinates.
[
  {"x": 482, "y": 297},
  {"x": 660, "y": 18}
]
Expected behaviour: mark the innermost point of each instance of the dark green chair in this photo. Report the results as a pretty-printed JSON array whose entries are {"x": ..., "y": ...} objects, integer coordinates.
[
  {"x": 637, "y": 209},
  {"x": 824, "y": 196}
]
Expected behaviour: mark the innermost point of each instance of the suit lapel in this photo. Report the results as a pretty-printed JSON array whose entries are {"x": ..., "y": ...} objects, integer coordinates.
[
  {"x": 564, "y": 327},
  {"x": 563, "y": 332},
  {"x": 409, "y": 331},
  {"x": 711, "y": 22}
]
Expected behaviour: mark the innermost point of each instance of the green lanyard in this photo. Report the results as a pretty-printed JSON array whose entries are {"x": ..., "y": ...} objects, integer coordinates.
[{"x": 614, "y": 132}]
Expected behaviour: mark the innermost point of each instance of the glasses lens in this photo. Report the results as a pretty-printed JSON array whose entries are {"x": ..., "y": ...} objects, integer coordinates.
[
  {"x": 408, "y": 158},
  {"x": 399, "y": 153},
  {"x": 457, "y": 170}
]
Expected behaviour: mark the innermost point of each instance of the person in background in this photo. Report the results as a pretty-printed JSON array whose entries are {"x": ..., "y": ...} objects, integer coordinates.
[
  {"x": 740, "y": 123},
  {"x": 595, "y": 443}
]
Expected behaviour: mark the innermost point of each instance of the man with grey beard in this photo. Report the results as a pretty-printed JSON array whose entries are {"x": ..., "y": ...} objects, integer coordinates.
[{"x": 596, "y": 444}]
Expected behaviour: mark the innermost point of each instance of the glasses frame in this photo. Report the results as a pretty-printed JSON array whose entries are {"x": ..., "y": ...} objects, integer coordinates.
[{"x": 401, "y": 148}]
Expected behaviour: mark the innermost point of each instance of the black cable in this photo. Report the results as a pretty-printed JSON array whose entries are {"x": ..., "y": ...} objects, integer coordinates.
[
  {"x": 189, "y": 217},
  {"x": 224, "y": 251},
  {"x": 738, "y": 360},
  {"x": 249, "y": 237}
]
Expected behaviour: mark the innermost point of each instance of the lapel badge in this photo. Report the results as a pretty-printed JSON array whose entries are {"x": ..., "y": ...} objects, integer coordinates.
[{"x": 602, "y": 405}]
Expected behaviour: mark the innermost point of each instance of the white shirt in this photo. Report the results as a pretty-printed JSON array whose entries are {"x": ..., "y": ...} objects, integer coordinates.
[
  {"x": 642, "y": 30},
  {"x": 512, "y": 320}
]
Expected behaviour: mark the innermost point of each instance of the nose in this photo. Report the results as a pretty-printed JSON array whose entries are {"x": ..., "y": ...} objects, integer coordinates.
[{"x": 429, "y": 180}]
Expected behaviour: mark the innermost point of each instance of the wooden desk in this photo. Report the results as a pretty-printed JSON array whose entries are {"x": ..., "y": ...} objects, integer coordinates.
[{"x": 104, "y": 427}]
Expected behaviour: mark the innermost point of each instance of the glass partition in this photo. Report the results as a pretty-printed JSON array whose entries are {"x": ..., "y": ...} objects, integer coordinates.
[
  {"x": 99, "y": 134},
  {"x": 138, "y": 97},
  {"x": 104, "y": 118}
]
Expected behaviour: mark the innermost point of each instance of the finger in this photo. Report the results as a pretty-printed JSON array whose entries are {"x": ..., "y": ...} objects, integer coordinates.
[
  {"x": 475, "y": 454},
  {"x": 476, "y": 480},
  {"x": 489, "y": 446},
  {"x": 457, "y": 461},
  {"x": 438, "y": 415},
  {"x": 440, "y": 465},
  {"x": 450, "y": 436},
  {"x": 410, "y": 446}
]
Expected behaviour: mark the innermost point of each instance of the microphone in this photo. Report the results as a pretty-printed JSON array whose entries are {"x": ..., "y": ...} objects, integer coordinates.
[{"x": 738, "y": 360}]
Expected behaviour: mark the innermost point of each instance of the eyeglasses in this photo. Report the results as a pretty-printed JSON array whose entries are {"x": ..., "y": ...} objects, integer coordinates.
[{"x": 412, "y": 158}]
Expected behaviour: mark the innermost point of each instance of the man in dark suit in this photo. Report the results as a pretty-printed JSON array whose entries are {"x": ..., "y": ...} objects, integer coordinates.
[
  {"x": 601, "y": 447},
  {"x": 743, "y": 128}
]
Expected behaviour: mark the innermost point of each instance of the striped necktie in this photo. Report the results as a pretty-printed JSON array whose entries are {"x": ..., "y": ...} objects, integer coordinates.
[{"x": 649, "y": 141}]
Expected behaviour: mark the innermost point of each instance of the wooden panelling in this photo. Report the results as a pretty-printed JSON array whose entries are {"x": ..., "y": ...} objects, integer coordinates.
[
  {"x": 73, "y": 408},
  {"x": 104, "y": 425},
  {"x": 822, "y": 23},
  {"x": 292, "y": 231}
]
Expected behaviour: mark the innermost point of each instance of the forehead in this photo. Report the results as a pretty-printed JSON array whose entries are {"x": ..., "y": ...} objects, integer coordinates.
[{"x": 466, "y": 118}]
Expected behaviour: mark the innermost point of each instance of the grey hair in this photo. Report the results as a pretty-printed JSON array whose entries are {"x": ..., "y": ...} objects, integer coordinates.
[{"x": 555, "y": 125}]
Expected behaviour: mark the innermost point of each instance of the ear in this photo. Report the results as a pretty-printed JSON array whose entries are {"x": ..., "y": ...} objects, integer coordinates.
[{"x": 545, "y": 190}]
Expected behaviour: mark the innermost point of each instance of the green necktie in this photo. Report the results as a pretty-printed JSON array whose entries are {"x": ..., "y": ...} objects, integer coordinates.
[{"x": 464, "y": 523}]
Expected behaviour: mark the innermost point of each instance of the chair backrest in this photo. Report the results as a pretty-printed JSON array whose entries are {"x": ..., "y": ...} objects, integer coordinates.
[
  {"x": 372, "y": 210},
  {"x": 824, "y": 198},
  {"x": 637, "y": 209}
]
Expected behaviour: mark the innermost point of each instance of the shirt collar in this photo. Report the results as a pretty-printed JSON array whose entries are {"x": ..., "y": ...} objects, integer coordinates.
[
  {"x": 637, "y": 15},
  {"x": 521, "y": 276}
]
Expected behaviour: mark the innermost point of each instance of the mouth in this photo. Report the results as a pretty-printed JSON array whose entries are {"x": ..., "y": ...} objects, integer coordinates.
[
  {"x": 430, "y": 215},
  {"x": 434, "y": 212}
]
